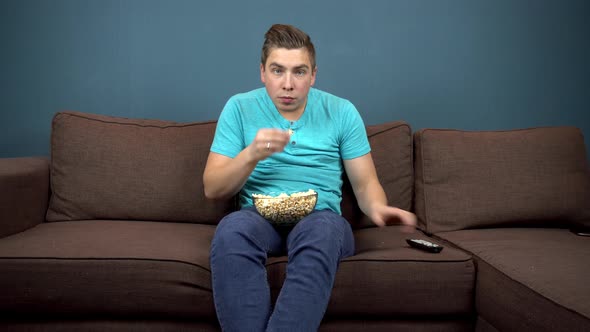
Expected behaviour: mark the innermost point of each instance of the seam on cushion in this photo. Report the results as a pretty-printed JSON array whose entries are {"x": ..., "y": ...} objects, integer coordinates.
[
  {"x": 352, "y": 259},
  {"x": 175, "y": 125},
  {"x": 381, "y": 260},
  {"x": 51, "y": 201},
  {"x": 501, "y": 131},
  {"x": 400, "y": 124},
  {"x": 422, "y": 171},
  {"x": 349, "y": 260},
  {"x": 51, "y": 168},
  {"x": 413, "y": 170},
  {"x": 105, "y": 259},
  {"x": 473, "y": 259}
]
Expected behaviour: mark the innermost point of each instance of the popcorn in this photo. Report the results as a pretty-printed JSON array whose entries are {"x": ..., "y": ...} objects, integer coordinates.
[{"x": 284, "y": 208}]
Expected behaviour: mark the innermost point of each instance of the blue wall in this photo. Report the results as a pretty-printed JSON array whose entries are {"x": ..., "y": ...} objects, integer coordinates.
[{"x": 466, "y": 64}]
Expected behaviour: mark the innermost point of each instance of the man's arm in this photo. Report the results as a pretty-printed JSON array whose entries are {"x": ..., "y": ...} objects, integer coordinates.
[
  {"x": 224, "y": 176},
  {"x": 370, "y": 195}
]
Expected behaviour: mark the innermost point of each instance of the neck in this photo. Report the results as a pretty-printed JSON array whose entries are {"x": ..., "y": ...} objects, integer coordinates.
[{"x": 292, "y": 116}]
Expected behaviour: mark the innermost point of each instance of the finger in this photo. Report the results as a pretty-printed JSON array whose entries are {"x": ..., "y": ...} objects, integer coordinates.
[
  {"x": 273, "y": 133},
  {"x": 379, "y": 223},
  {"x": 270, "y": 147},
  {"x": 276, "y": 138},
  {"x": 407, "y": 218},
  {"x": 280, "y": 139},
  {"x": 279, "y": 142}
]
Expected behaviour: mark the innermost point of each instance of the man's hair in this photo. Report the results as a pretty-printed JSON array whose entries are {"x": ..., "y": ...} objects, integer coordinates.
[{"x": 289, "y": 37}]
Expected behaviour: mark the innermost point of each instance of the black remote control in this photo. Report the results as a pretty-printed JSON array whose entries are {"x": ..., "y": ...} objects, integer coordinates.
[{"x": 425, "y": 245}]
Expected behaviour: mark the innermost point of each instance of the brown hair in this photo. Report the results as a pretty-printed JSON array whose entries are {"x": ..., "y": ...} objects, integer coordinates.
[{"x": 289, "y": 37}]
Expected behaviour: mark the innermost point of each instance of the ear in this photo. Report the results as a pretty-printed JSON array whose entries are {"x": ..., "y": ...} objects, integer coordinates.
[
  {"x": 262, "y": 74},
  {"x": 313, "y": 73}
]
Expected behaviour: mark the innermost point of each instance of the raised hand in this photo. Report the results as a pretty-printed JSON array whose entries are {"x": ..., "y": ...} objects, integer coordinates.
[{"x": 267, "y": 142}]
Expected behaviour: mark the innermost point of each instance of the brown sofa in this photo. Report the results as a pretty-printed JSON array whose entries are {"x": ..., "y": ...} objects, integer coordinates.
[{"x": 112, "y": 232}]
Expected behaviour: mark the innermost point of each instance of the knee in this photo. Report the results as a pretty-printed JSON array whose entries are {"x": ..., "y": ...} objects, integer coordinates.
[
  {"x": 230, "y": 227},
  {"x": 323, "y": 231},
  {"x": 323, "y": 224},
  {"x": 234, "y": 231}
]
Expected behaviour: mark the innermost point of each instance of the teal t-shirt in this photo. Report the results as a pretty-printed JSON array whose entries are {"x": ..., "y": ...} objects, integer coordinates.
[{"x": 329, "y": 130}]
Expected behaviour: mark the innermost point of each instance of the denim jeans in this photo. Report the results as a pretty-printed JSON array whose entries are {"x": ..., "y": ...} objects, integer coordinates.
[{"x": 242, "y": 243}]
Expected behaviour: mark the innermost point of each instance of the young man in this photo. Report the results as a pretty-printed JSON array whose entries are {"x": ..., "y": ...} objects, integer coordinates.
[{"x": 287, "y": 137}]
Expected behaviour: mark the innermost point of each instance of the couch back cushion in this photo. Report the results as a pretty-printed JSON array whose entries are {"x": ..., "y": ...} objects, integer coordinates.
[
  {"x": 527, "y": 177},
  {"x": 391, "y": 149},
  {"x": 105, "y": 167}
]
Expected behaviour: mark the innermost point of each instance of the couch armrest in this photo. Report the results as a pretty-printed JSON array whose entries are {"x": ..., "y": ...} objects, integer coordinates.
[{"x": 24, "y": 193}]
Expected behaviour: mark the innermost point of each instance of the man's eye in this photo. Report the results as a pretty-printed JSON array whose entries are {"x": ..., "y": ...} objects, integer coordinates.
[
  {"x": 277, "y": 71},
  {"x": 300, "y": 72}
]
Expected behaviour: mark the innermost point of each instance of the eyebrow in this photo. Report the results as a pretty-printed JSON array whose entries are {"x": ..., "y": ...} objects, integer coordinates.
[{"x": 303, "y": 66}]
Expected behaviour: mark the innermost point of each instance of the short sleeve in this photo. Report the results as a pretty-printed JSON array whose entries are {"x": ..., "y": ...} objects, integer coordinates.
[
  {"x": 354, "y": 142},
  {"x": 229, "y": 133}
]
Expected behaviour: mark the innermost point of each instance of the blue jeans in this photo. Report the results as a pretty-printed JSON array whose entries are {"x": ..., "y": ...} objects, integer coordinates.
[{"x": 242, "y": 243}]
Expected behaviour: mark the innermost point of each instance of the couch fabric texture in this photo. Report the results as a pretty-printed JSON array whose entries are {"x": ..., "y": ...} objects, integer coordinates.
[
  {"x": 531, "y": 177},
  {"x": 136, "y": 169},
  {"x": 113, "y": 232},
  {"x": 530, "y": 278}
]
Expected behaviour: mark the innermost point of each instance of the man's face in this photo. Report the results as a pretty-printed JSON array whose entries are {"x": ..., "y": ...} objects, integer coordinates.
[{"x": 288, "y": 76}]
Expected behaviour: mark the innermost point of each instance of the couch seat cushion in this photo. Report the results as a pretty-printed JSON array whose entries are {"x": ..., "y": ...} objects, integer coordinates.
[
  {"x": 115, "y": 269},
  {"x": 108, "y": 268},
  {"x": 530, "y": 279},
  {"x": 387, "y": 278}
]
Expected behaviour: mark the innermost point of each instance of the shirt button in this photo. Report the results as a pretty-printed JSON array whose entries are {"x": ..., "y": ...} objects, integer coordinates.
[{"x": 293, "y": 142}]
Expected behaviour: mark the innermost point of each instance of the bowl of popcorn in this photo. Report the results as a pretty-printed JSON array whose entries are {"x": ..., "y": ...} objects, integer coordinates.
[{"x": 285, "y": 208}]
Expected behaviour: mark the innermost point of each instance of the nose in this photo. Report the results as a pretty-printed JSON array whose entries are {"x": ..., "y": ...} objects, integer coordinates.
[{"x": 288, "y": 82}]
